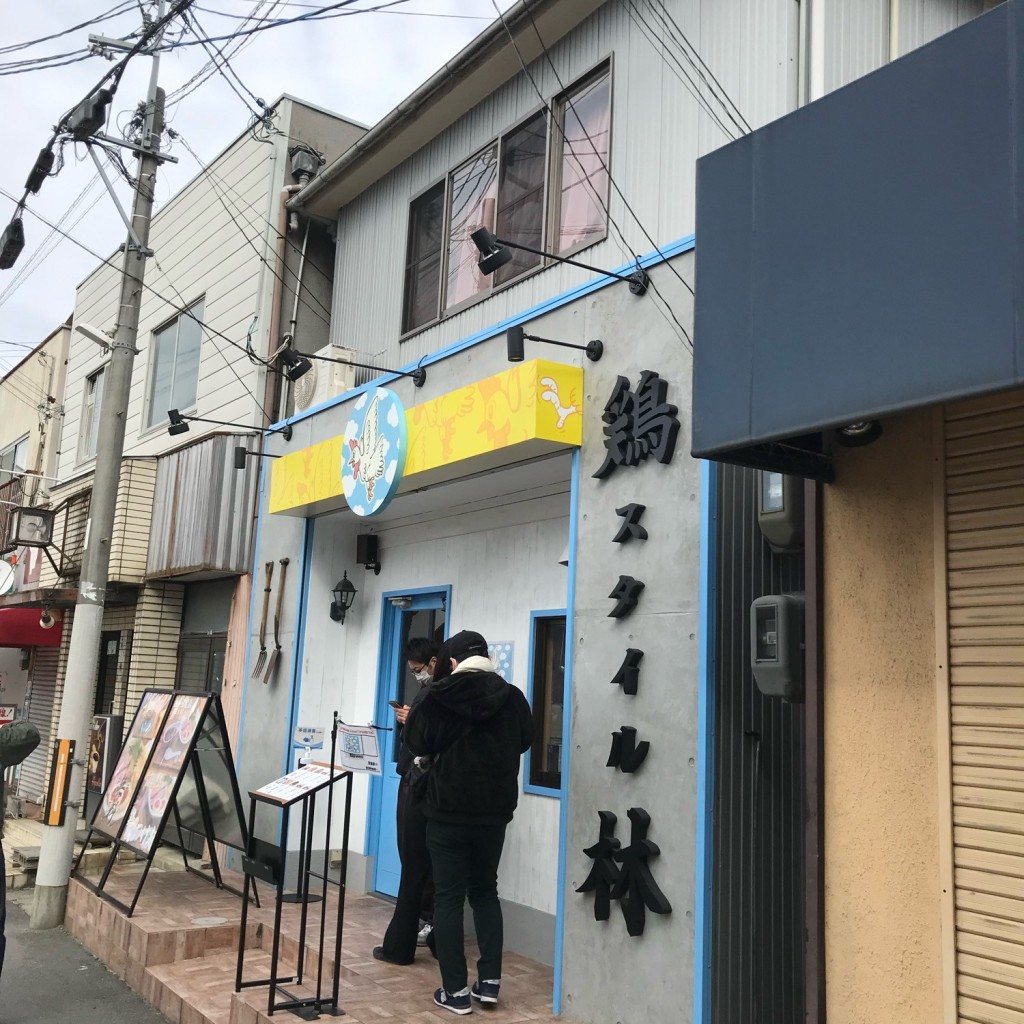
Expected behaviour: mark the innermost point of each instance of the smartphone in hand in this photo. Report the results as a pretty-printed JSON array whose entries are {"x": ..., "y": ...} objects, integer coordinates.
[{"x": 396, "y": 704}]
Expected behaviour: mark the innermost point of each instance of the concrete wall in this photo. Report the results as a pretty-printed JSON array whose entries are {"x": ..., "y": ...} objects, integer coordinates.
[
  {"x": 883, "y": 957},
  {"x": 609, "y": 976}
]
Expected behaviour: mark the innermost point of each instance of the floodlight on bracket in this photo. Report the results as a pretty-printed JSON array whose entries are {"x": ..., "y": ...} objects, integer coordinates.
[
  {"x": 179, "y": 422},
  {"x": 297, "y": 364},
  {"x": 494, "y": 253}
]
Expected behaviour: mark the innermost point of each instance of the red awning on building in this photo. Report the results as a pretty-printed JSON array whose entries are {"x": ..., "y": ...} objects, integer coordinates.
[{"x": 19, "y": 627}]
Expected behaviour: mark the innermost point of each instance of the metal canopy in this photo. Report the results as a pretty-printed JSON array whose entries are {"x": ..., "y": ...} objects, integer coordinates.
[{"x": 862, "y": 255}]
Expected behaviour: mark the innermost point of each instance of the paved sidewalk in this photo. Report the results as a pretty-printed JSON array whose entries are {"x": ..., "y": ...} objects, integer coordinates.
[{"x": 50, "y": 979}]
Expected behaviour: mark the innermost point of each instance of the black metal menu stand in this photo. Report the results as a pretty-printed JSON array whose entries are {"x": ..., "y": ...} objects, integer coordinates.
[{"x": 266, "y": 861}]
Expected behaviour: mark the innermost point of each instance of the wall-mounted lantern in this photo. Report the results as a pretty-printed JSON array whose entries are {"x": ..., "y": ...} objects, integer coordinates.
[{"x": 344, "y": 594}]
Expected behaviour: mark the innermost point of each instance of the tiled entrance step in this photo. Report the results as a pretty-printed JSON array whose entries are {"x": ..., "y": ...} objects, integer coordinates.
[{"x": 180, "y": 950}]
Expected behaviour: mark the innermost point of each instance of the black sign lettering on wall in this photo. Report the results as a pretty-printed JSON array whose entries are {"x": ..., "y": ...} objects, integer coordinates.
[
  {"x": 636, "y": 890},
  {"x": 630, "y": 527},
  {"x": 628, "y": 676},
  {"x": 626, "y": 754},
  {"x": 604, "y": 872},
  {"x": 625, "y": 594},
  {"x": 638, "y": 424}
]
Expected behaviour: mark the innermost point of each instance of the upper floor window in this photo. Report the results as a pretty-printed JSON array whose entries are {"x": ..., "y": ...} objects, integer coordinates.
[
  {"x": 174, "y": 381},
  {"x": 545, "y": 186},
  {"x": 14, "y": 460},
  {"x": 92, "y": 404}
]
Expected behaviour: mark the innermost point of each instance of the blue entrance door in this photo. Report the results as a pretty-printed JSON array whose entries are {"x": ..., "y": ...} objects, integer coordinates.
[{"x": 405, "y": 617}]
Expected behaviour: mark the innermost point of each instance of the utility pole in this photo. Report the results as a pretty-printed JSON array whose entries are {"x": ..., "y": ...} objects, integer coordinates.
[{"x": 58, "y": 844}]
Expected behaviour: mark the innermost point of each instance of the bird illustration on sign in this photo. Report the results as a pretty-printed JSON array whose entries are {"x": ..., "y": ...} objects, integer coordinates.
[
  {"x": 373, "y": 455},
  {"x": 550, "y": 394},
  {"x": 366, "y": 458}
]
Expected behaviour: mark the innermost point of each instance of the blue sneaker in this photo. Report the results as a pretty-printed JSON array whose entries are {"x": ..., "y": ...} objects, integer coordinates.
[
  {"x": 485, "y": 991},
  {"x": 457, "y": 1002}
]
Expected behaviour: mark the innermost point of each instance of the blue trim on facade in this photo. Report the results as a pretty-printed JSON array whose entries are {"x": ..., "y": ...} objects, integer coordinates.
[
  {"x": 702, "y": 923},
  {"x": 563, "y": 814},
  {"x": 371, "y": 833},
  {"x": 666, "y": 252},
  {"x": 300, "y": 642},
  {"x": 543, "y": 613}
]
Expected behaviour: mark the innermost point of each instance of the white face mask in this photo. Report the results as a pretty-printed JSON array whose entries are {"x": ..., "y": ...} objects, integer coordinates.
[{"x": 423, "y": 676}]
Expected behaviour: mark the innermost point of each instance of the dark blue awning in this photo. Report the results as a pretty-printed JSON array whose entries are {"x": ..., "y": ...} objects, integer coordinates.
[{"x": 863, "y": 255}]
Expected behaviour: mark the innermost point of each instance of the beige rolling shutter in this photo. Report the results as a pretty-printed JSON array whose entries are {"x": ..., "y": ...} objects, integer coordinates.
[
  {"x": 985, "y": 551},
  {"x": 41, "y": 695}
]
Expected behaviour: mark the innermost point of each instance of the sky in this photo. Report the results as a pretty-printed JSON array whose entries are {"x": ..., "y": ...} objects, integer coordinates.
[{"x": 360, "y": 65}]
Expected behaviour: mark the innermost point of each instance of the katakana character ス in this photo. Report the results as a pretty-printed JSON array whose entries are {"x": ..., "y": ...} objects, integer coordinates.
[
  {"x": 603, "y": 872},
  {"x": 636, "y": 889},
  {"x": 630, "y": 527}
]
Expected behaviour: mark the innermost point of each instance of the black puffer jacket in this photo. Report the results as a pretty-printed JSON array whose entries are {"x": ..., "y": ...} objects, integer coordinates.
[{"x": 477, "y": 726}]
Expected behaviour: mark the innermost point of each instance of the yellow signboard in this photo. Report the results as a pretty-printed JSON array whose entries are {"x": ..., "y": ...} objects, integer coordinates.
[{"x": 533, "y": 406}]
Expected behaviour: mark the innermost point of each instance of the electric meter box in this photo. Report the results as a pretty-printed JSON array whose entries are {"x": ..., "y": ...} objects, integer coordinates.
[
  {"x": 777, "y": 645},
  {"x": 780, "y": 510}
]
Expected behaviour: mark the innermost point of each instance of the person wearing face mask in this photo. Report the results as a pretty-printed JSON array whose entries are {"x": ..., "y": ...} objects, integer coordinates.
[{"x": 415, "y": 902}]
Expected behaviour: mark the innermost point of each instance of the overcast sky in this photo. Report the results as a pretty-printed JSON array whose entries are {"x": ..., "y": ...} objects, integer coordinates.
[{"x": 359, "y": 65}]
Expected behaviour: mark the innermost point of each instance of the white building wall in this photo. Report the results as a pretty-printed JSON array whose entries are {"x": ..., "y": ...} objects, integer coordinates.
[
  {"x": 658, "y": 131},
  {"x": 501, "y": 565}
]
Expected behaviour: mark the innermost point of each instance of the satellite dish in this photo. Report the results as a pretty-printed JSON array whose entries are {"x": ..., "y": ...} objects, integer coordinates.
[{"x": 6, "y": 577}]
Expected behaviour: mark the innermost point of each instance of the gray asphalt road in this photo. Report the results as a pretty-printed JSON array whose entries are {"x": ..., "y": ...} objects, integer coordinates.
[{"x": 50, "y": 979}]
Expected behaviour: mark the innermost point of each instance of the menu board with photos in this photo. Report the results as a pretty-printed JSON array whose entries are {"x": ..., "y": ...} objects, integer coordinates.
[
  {"x": 128, "y": 772},
  {"x": 150, "y": 806}
]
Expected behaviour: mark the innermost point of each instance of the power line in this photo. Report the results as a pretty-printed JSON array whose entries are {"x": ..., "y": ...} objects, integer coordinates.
[
  {"x": 113, "y": 266},
  {"x": 688, "y": 341},
  {"x": 121, "y": 8},
  {"x": 317, "y": 7},
  {"x": 207, "y": 170},
  {"x": 320, "y": 14},
  {"x": 224, "y": 67}
]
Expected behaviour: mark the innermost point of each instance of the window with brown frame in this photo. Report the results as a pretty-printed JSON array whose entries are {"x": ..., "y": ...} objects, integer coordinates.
[{"x": 535, "y": 185}]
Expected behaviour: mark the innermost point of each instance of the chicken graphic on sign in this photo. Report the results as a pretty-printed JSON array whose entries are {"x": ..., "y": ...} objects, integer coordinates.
[
  {"x": 367, "y": 451},
  {"x": 373, "y": 456}
]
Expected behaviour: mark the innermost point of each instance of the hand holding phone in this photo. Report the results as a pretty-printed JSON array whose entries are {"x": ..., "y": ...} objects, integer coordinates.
[{"x": 396, "y": 704}]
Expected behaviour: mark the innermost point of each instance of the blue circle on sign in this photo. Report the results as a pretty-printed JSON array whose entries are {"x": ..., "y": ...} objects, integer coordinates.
[{"x": 373, "y": 453}]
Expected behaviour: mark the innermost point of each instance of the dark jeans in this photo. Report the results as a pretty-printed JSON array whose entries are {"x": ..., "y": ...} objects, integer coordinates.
[
  {"x": 413, "y": 899},
  {"x": 3, "y": 906},
  {"x": 465, "y": 861}
]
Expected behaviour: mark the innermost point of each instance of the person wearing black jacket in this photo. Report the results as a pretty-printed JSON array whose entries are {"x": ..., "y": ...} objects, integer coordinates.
[
  {"x": 472, "y": 727},
  {"x": 415, "y": 891}
]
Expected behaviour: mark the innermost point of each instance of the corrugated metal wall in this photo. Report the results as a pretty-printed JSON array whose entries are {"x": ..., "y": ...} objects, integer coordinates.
[
  {"x": 758, "y": 923},
  {"x": 202, "y": 508},
  {"x": 658, "y": 131},
  {"x": 42, "y": 687},
  {"x": 985, "y": 577}
]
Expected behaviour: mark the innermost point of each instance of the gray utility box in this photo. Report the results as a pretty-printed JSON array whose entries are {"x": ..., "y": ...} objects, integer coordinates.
[{"x": 777, "y": 645}]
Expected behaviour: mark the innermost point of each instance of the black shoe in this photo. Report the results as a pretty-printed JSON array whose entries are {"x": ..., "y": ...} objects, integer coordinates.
[{"x": 378, "y": 954}]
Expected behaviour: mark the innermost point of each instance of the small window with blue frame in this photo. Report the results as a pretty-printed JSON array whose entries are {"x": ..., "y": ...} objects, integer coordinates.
[{"x": 547, "y": 693}]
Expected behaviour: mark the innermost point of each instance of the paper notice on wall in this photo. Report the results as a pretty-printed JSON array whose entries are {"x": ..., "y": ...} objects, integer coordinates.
[{"x": 358, "y": 749}]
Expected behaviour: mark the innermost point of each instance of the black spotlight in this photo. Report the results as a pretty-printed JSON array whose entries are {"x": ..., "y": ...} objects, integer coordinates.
[
  {"x": 178, "y": 425},
  {"x": 492, "y": 255},
  {"x": 514, "y": 338},
  {"x": 240, "y": 453},
  {"x": 295, "y": 364}
]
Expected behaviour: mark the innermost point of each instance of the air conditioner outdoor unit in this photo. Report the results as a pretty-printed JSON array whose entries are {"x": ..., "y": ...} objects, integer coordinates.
[{"x": 325, "y": 380}]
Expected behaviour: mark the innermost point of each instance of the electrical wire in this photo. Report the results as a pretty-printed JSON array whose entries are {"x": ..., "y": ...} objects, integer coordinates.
[
  {"x": 224, "y": 66},
  {"x": 684, "y": 334},
  {"x": 215, "y": 182},
  {"x": 317, "y": 7},
  {"x": 121, "y": 8},
  {"x": 150, "y": 288},
  {"x": 321, "y": 14}
]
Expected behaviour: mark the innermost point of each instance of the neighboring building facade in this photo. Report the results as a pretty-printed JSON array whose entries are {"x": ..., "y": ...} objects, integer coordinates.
[
  {"x": 877, "y": 354},
  {"x": 31, "y": 397},
  {"x": 226, "y": 270}
]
